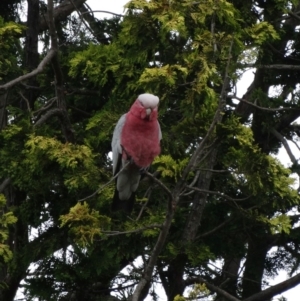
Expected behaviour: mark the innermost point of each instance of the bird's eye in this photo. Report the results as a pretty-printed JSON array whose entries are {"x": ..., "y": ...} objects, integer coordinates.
[{"x": 141, "y": 103}]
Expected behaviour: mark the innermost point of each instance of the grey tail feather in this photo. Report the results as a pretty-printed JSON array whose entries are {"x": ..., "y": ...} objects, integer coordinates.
[{"x": 126, "y": 206}]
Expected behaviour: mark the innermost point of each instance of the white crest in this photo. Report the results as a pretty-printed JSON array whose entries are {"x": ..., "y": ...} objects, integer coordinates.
[{"x": 149, "y": 100}]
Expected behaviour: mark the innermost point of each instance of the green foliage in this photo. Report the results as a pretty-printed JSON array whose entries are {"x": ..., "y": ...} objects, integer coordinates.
[
  {"x": 84, "y": 223},
  {"x": 257, "y": 171},
  {"x": 166, "y": 75},
  {"x": 169, "y": 167},
  {"x": 278, "y": 224},
  {"x": 8, "y": 44},
  {"x": 262, "y": 32},
  {"x": 197, "y": 291},
  {"x": 76, "y": 161},
  {"x": 6, "y": 219}
]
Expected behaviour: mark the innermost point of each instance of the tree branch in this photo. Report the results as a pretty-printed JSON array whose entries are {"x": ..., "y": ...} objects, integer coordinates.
[
  {"x": 285, "y": 144},
  {"x": 146, "y": 278},
  {"x": 114, "y": 233},
  {"x": 275, "y": 290},
  {"x": 263, "y": 108},
  {"x": 106, "y": 184},
  {"x": 54, "y": 112},
  {"x": 4, "y": 184},
  {"x": 51, "y": 53},
  {"x": 211, "y": 287},
  {"x": 59, "y": 82},
  {"x": 219, "y": 194},
  {"x": 274, "y": 66},
  {"x": 60, "y": 13},
  {"x": 160, "y": 183},
  {"x": 215, "y": 229}
]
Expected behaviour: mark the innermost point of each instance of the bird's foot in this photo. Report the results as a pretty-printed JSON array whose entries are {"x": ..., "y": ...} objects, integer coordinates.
[{"x": 142, "y": 170}]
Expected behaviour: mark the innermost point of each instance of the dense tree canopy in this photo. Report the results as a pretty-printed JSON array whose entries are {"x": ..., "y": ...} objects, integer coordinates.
[{"x": 216, "y": 193}]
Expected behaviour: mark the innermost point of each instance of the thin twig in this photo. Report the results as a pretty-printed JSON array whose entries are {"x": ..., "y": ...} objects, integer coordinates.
[
  {"x": 108, "y": 12},
  {"x": 160, "y": 183},
  {"x": 219, "y": 194},
  {"x": 114, "y": 233},
  {"x": 211, "y": 287},
  {"x": 215, "y": 229},
  {"x": 26, "y": 100},
  {"x": 147, "y": 194},
  {"x": 106, "y": 184},
  {"x": 262, "y": 108}
]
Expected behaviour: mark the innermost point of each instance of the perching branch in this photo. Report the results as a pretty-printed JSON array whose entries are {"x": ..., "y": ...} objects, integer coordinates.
[
  {"x": 160, "y": 183},
  {"x": 146, "y": 278},
  {"x": 154, "y": 256},
  {"x": 106, "y": 184},
  {"x": 147, "y": 194}
]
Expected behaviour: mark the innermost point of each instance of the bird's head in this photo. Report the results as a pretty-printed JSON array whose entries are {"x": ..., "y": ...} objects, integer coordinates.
[{"x": 145, "y": 107}]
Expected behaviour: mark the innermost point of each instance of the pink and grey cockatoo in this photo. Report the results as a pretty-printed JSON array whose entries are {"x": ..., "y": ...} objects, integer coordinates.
[{"x": 136, "y": 139}]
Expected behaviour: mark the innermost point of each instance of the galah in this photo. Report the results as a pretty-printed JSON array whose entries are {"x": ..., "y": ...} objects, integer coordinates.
[{"x": 135, "y": 143}]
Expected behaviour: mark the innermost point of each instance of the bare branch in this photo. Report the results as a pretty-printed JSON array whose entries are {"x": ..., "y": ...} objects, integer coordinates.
[
  {"x": 51, "y": 53},
  {"x": 147, "y": 195},
  {"x": 108, "y": 12},
  {"x": 262, "y": 108},
  {"x": 274, "y": 66},
  {"x": 215, "y": 229},
  {"x": 60, "y": 13},
  {"x": 294, "y": 15},
  {"x": 211, "y": 287},
  {"x": 160, "y": 183},
  {"x": 227, "y": 197},
  {"x": 83, "y": 18},
  {"x": 275, "y": 290},
  {"x": 106, "y": 184},
  {"x": 154, "y": 256},
  {"x": 214, "y": 170},
  {"x": 48, "y": 105},
  {"x": 26, "y": 100},
  {"x": 159, "y": 243},
  {"x": 59, "y": 82},
  {"x": 54, "y": 112},
  {"x": 285, "y": 144},
  {"x": 4, "y": 184},
  {"x": 114, "y": 233}
]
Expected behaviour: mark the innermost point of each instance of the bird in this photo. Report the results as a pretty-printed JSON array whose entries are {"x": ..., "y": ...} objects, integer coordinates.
[{"x": 135, "y": 144}]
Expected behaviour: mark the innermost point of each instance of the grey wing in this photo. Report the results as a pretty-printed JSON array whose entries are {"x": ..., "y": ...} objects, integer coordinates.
[
  {"x": 159, "y": 131},
  {"x": 116, "y": 144}
]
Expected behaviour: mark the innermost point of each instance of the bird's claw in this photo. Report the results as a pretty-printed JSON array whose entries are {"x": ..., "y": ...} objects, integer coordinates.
[{"x": 142, "y": 170}]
